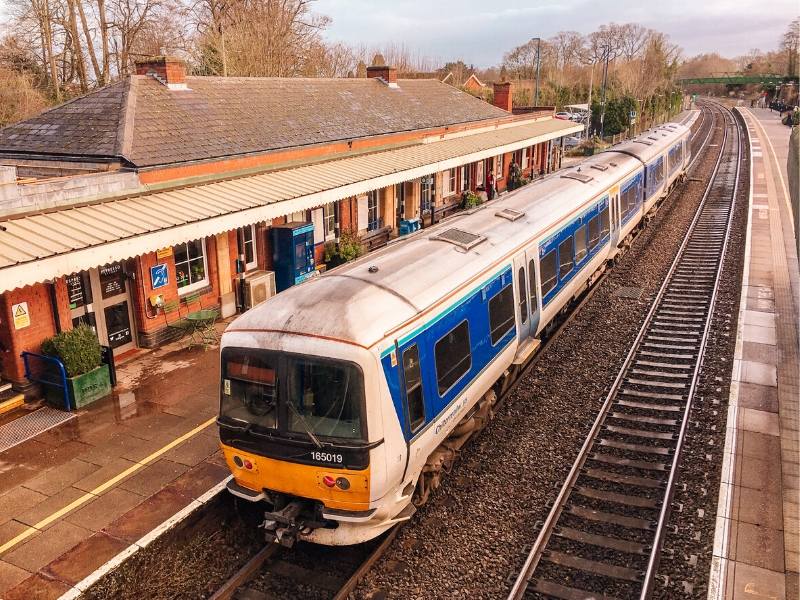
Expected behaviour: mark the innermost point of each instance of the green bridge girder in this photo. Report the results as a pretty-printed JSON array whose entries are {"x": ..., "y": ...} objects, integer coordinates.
[{"x": 738, "y": 79}]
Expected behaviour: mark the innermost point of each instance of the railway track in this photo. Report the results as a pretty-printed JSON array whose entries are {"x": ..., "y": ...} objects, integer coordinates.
[{"x": 603, "y": 535}]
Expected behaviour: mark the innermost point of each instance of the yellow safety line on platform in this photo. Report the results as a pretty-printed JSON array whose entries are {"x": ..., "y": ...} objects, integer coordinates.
[{"x": 102, "y": 487}]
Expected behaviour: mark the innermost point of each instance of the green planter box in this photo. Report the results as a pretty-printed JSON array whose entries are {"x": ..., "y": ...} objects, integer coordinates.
[{"x": 83, "y": 389}]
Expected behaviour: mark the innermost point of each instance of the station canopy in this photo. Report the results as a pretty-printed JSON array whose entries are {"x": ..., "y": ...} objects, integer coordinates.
[{"x": 41, "y": 246}]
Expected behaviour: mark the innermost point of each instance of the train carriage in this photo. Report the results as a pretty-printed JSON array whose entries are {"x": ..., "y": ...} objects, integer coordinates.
[{"x": 343, "y": 398}]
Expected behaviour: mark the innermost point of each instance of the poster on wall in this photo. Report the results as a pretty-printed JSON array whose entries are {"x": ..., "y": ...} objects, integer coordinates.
[
  {"x": 112, "y": 280},
  {"x": 159, "y": 276}
]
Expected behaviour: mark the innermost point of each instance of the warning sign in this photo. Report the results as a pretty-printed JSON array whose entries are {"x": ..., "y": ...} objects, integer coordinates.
[{"x": 22, "y": 318}]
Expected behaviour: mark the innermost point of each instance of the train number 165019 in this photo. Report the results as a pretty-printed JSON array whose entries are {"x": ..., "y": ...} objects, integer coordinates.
[{"x": 327, "y": 457}]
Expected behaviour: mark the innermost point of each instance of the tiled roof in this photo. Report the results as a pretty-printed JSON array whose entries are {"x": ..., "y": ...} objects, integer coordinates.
[{"x": 148, "y": 124}]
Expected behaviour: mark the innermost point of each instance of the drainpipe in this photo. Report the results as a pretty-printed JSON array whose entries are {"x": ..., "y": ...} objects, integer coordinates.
[{"x": 240, "y": 268}]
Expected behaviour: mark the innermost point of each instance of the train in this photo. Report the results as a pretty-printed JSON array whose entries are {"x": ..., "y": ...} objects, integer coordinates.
[{"x": 345, "y": 398}]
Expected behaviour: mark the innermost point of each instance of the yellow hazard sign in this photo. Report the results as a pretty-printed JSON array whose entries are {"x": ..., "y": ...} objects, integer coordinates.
[{"x": 22, "y": 317}]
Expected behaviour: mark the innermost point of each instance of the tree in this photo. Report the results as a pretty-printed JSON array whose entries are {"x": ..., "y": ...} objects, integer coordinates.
[{"x": 790, "y": 44}]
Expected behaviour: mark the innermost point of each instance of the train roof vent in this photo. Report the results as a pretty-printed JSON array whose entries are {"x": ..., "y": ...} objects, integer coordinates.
[
  {"x": 645, "y": 142},
  {"x": 577, "y": 176},
  {"x": 600, "y": 167},
  {"x": 652, "y": 137},
  {"x": 613, "y": 164},
  {"x": 510, "y": 214},
  {"x": 458, "y": 237}
]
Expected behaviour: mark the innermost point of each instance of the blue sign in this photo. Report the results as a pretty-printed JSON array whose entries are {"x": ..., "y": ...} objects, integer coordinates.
[{"x": 159, "y": 276}]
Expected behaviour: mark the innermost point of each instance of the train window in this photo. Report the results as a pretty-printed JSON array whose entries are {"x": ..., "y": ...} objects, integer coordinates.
[
  {"x": 501, "y": 313},
  {"x": 523, "y": 296},
  {"x": 250, "y": 389},
  {"x": 453, "y": 357},
  {"x": 566, "y": 257},
  {"x": 532, "y": 284},
  {"x": 324, "y": 397},
  {"x": 604, "y": 229},
  {"x": 580, "y": 243},
  {"x": 549, "y": 277},
  {"x": 594, "y": 231},
  {"x": 414, "y": 396}
]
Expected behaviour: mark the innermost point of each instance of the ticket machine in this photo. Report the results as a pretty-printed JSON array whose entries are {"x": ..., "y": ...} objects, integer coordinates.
[{"x": 292, "y": 253}]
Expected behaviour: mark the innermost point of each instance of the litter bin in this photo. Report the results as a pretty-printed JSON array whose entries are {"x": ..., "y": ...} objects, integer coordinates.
[{"x": 107, "y": 358}]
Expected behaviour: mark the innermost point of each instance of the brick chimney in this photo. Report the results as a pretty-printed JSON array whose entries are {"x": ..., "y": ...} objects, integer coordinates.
[
  {"x": 502, "y": 95},
  {"x": 169, "y": 70},
  {"x": 379, "y": 70}
]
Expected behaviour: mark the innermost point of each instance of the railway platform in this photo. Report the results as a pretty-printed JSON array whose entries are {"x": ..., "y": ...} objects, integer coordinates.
[
  {"x": 89, "y": 492},
  {"x": 756, "y": 537}
]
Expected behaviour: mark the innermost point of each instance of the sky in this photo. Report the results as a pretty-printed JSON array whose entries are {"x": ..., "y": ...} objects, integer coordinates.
[{"x": 481, "y": 31}]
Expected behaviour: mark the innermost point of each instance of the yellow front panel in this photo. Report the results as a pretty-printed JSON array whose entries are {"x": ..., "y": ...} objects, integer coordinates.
[{"x": 304, "y": 481}]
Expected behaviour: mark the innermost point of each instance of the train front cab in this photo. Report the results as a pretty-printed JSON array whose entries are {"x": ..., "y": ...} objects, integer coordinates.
[{"x": 301, "y": 433}]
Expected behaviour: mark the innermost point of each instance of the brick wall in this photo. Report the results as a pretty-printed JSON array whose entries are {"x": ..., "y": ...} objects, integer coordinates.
[{"x": 30, "y": 338}]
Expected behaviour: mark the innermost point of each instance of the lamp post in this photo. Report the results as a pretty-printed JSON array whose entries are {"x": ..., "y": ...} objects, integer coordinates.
[
  {"x": 606, "y": 53},
  {"x": 538, "y": 68}
]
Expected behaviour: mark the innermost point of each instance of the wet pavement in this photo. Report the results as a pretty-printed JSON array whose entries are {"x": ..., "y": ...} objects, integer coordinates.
[{"x": 79, "y": 494}]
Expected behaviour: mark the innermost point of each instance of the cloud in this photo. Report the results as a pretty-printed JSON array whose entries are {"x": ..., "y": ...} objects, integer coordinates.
[{"x": 481, "y": 33}]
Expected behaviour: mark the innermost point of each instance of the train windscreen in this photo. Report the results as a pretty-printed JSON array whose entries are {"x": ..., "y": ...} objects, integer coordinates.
[{"x": 290, "y": 394}]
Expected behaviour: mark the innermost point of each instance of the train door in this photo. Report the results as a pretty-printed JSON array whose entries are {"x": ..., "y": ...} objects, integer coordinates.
[
  {"x": 533, "y": 289},
  {"x": 522, "y": 297}
]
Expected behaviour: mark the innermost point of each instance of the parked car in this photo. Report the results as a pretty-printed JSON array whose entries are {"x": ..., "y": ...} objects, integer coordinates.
[
  {"x": 567, "y": 116},
  {"x": 571, "y": 141}
]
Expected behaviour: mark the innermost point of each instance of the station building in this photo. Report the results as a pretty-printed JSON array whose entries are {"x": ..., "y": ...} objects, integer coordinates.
[{"x": 161, "y": 193}]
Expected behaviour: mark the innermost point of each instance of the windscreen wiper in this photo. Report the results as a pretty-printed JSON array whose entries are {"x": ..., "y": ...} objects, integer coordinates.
[
  {"x": 306, "y": 427},
  {"x": 228, "y": 425}
]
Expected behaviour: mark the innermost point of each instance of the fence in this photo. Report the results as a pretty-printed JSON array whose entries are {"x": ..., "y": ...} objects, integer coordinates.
[{"x": 48, "y": 371}]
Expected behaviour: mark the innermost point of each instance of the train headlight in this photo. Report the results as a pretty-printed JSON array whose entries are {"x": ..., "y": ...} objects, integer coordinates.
[
  {"x": 237, "y": 460},
  {"x": 343, "y": 483}
]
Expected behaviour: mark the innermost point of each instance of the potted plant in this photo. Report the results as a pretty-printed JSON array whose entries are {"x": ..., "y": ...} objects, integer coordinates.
[
  {"x": 348, "y": 248},
  {"x": 79, "y": 351},
  {"x": 469, "y": 199}
]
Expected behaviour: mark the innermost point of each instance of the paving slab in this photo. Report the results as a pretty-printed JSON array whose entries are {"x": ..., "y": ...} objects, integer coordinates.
[
  {"x": 147, "y": 515},
  {"x": 103, "y": 510},
  {"x": 756, "y": 536},
  {"x": 82, "y": 560},
  {"x": 37, "y": 587},
  {"x": 59, "y": 478},
  {"x": 10, "y": 576},
  {"x": 154, "y": 477},
  {"x": 46, "y": 546}
]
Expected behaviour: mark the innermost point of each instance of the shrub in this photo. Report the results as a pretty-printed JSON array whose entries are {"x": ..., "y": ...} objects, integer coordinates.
[
  {"x": 78, "y": 349},
  {"x": 469, "y": 199},
  {"x": 348, "y": 248}
]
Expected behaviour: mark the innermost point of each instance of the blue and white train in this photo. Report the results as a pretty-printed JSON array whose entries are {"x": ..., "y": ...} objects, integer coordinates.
[{"x": 342, "y": 399}]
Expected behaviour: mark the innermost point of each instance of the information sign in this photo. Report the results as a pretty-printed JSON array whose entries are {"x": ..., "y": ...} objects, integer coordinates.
[{"x": 159, "y": 276}]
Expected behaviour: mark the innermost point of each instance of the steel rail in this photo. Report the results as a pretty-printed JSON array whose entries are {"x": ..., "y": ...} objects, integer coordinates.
[{"x": 546, "y": 531}]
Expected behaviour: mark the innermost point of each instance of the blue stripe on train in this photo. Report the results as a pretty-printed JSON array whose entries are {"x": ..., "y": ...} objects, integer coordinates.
[{"x": 474, "y": 308}]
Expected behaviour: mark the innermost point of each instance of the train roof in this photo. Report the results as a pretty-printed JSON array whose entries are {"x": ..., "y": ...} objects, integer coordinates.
[
  {"x": 375, "y": 297},
  {"x": 650, "y": 143}
]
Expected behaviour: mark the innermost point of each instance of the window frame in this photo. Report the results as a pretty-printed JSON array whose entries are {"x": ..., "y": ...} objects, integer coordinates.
[
  {"x": 532, "y": 291},
  {"x": 411, "y": 426},
  {"x": 498, "y": 167},
  {"x": 605, "y": 222},
  {"x": 196, "y": 285},
  {"x": 373, "y": 205},
  {"x": 449, "y": 182},
  {"x": 576, "y": 236},
  {"x": 329, "y": 220},
  {"x": 442, "y": 394},
  {"x": 464, "y": 178},
  {"x": 522, "y": 304},
  {"x": 561, "y": 273},
  {"x": 593, "y": 242},
  {"x": 253, "y": 264},
  {"x": 427, "y": 192},
  {"x": 554, "y": 278}
]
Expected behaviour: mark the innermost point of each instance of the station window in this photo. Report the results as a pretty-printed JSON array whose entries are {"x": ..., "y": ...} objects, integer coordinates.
[
  {"x": 580, "y": 243},
  {"x": 532, "y": 284},
  {"x": 427, "y": 193},
  {"x": 449, "y": 183},
  {"x": 453, "y": 357},
  {"x": 566, "y": 257},
  {"x": 414, "y": 396},
  {"x": 249, "y": 241},
  {"x": 501, "y": 313},
  {"x": 594, "y": 231},
  {"x": 329, "y": 219},
  {"x": 549, "y": 276},
  {"x": 604, "y": 228},
  {"x": 373, "y": 221},
  {"x": 465, "y": 177},
  {"x": 190, "y": 266},
  {"x": 498, "y": 165},
  {"x": 523, "y": 296}
]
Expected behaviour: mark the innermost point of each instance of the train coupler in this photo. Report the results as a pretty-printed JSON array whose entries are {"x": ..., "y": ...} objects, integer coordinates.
[{"x": 284, "y": 525}]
